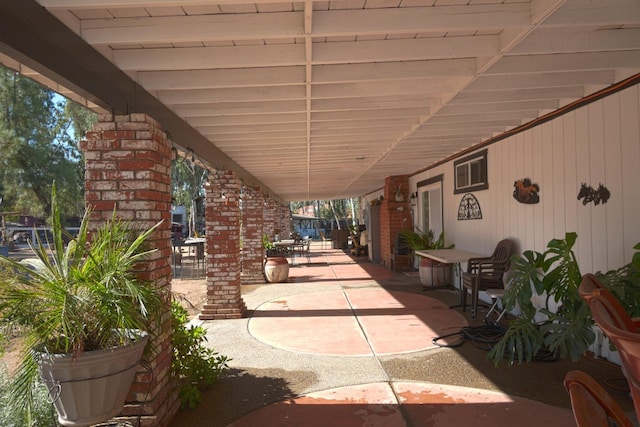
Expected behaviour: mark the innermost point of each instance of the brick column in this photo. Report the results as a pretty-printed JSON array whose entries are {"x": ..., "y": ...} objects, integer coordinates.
[
  {"x": 284, "y": 219},
  {"x": 393, "y": 216},
  {"x": 269, "y": 219},
  {"x": 128, "y": 166},
  {"x": 276, "y": 218},
  {"x": 223, "y": 248},
  {"x": 252, "y": 227}
]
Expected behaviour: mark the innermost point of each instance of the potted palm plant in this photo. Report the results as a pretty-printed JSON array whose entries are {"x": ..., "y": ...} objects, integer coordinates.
[
  {"x": 84, "y": 315},
  {"x": 429, "y": 270}
]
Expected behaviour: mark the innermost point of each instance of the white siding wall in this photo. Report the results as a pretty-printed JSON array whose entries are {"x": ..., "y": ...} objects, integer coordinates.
[{"x": 598, "y": 143}]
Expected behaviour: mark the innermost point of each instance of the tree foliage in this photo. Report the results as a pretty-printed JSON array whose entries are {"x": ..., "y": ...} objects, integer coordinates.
[
  {"x": 38, "y": 134},
  {"x": 187, "y": 180},
  {"x": 330, "y": 210}
]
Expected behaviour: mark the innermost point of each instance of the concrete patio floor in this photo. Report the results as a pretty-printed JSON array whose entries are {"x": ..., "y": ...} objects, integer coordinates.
[{"x": 348, "y": 343}]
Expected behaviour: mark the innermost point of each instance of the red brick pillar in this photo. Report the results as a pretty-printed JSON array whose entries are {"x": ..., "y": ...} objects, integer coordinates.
[
  {"x": 284, "y": 219},
  {"x": 128, "y": 166},
  {"x": 252, "y": 227},
  {"x": 269, "y": 219},
  {"x": 223, "y": 248},
  {"x": 395, "y": 213},
  {"x": 277, "y": 219}
]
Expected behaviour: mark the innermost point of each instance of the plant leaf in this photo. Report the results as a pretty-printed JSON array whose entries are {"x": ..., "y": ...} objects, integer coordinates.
[{"x": 521, "y": 342}]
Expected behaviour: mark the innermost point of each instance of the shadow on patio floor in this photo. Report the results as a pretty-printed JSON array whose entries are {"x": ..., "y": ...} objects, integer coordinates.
[{"x": 292, "y": 364}]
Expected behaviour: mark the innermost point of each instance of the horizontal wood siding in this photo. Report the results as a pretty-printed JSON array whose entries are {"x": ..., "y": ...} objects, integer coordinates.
[{"x": 598, "y": 143}]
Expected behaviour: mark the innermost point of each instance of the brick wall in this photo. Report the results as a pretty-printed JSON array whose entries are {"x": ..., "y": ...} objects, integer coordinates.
[
  {"x": 128, "y": 166},
  {"x": 270, "y": 226},
  {"x": 252, "y": 230},
  {"x": 223, "y": 248},
  {"x": 394, "y": 216},
  {"x": 285, "y": 217}
]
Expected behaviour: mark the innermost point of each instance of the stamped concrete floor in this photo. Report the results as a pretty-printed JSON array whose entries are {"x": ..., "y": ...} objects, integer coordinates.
[{"x": 348, "y": 343}]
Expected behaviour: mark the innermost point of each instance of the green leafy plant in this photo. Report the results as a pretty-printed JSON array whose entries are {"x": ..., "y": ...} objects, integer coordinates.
[
  {"x": 520, "y": 342},
  {"x": 625, "y": 283},
  {"x": 267, "y": 243},
  {"x": 555, "y": 274},
  {"x": 419, "y": 240},
  {"x": 194, "y": 365},
  {"x": 552, "y": 275},
  {"x": 77, "y": 296},
  {"x": 271, "y": 249},
  {"x": 42, "y": 414}
]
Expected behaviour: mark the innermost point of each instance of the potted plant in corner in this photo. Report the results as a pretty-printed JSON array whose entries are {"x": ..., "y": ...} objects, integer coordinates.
[
  {"x": 559, "y": 325},
  {"x": 276, "y": 266},
  {"x": 429, "y": 270},
  {"x": 84, "y": 315}
]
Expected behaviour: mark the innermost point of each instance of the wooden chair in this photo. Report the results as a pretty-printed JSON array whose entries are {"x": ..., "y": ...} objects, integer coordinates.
[
  {"x": 485, "y": 273},
  {"x": 592, "y": 405},
  {"x": 619, "y": 327}
]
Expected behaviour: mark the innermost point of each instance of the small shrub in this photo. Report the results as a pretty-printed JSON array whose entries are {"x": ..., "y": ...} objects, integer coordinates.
[
  {"x": 42, "y": 414},
  {"x": 194, "y": 365}
]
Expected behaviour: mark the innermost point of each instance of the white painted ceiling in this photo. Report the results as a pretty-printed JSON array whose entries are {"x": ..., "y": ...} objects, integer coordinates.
[{"x": 323, "y": 99}]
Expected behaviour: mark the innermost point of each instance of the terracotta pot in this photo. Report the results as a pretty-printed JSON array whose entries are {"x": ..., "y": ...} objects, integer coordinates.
[
  {"x": 434, "y": 273},
  {"x": 92, "y": 387},
  {"x": 276, "y": 269}
]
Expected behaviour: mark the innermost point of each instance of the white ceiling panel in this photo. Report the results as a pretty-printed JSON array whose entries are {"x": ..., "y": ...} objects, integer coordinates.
[{"x": 343, "y": 93}]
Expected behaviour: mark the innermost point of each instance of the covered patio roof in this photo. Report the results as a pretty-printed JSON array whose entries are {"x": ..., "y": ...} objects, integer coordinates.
[{"x": 323, "y": 99}]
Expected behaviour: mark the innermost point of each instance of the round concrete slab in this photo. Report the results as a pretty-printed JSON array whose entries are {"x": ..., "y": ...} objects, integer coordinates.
[{"x": 354, "y": 322}]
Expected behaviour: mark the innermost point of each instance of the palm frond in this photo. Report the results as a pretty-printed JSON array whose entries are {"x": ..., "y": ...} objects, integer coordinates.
[{"x": 80, "y": 296}]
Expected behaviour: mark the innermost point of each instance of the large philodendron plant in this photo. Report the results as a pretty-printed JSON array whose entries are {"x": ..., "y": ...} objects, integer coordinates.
[
  {"x": 563, "y": 330},
  {"x": 77, "y": 294},
  {"x": 554, "y": 275},
  {"x": 624, "y": 282}
]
